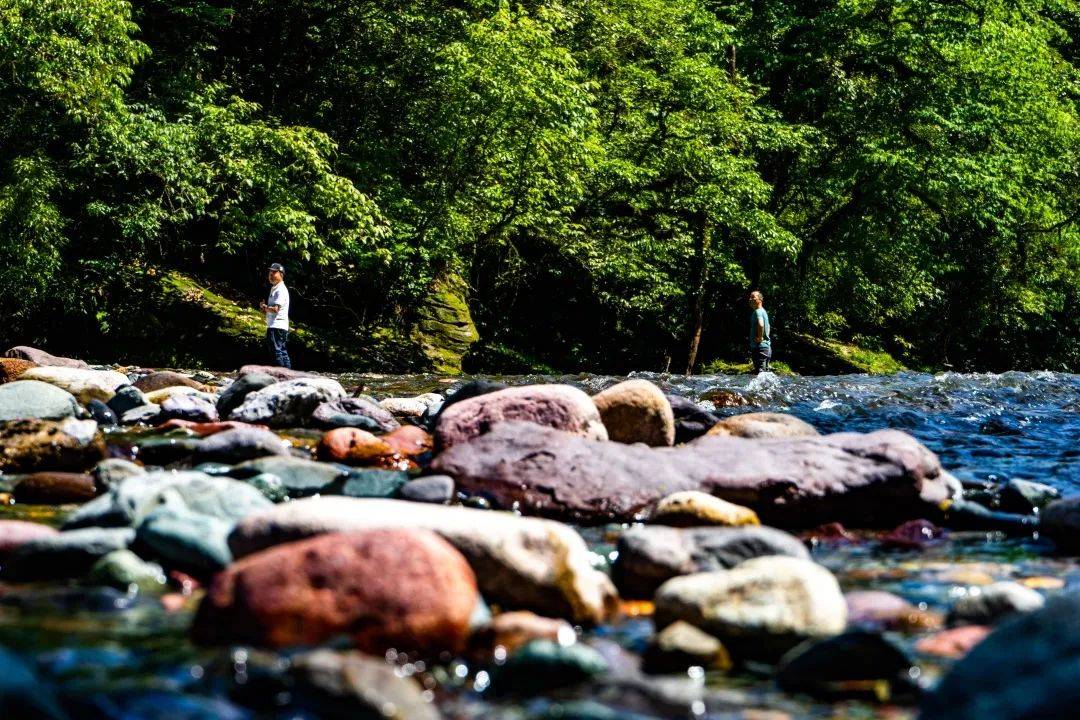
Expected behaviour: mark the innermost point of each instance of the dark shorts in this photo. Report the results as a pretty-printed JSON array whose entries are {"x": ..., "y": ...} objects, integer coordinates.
[
  {"x": 276, "y": 341},
  {"x": 761, "y": 356}
]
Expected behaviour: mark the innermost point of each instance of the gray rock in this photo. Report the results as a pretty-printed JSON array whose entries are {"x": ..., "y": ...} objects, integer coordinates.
[
  {"x": 131, "y": 500},
  {"x": 34, "y": 355},
  {"x": 127, "y": 398},
  {"x": 358, "y": 412},
  {"x": 65, "y": 555},
  {"x": 1061, "y": 523},
  {"x": 1026, "y": 497},
  {"x": 122, "y": 568},
  {"x": 188, "y": 407},
  {"x": 649, "y": 556},
  {"x": 112, "y": 471},
  {"x": 543, "y": 665},
  {"x": 373, "y": 483},
  {"x": 346, "y": 686},
  {"x": 231, "y": 397},
  {"x": 101, "y": 413},
  {"x": 430, "y": 489},
  {"x": 187, "y": 540},
  {"x": 1027, "y": 668},
  {"x": 275, "y": 371},
  {"x": 876, "y": 478},
  {"x": 148, "y": 414},
  {"x": 833, "y": 667},
  {"x": 300, "y": 477},
  {"x": 987, "y": 604},
  {"x": 287, "y": 403},
  {"x": 691, "y": 420},
  {"x": 36, "y": 399},
  {"x": 240, "y": 444}
]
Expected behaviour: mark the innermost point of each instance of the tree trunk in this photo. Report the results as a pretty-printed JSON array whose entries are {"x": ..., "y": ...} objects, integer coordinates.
[{"x": 702, "y": 240}]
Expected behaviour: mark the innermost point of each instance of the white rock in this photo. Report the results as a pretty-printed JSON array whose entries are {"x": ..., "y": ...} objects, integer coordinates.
[
  {"x": 290, "y": 402},
  {"x": 85, "y": 385}
]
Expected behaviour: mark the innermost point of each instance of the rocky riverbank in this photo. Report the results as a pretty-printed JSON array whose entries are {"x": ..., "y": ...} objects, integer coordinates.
[{"x": 279, "y": 543}]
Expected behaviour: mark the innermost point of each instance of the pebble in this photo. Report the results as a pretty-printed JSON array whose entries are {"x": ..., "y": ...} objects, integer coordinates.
[
  {"x": 300, "y": 477},
  {"x": 359, "y": 412},
  {"x": 15, "y": 533},
  {"x": 353, "y": 446},
  {"x": 126, "y": 399},
  {"x": 189, "y": 407},
  {"x": 912, "y": 535},
  {"x": 101, "y": 413},
  {"x": 691, "y": 507},
  {"x": 880, "y": 610},
  {"x": 164, "y": 379},
  {"x": 289, "y": 403},
  {"x": 374, "y": 483},
  {"x": 691, "y": 420}
]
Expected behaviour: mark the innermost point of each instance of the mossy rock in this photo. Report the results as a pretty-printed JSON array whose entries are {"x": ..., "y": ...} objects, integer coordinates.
[{"x": 444, "y": 327}]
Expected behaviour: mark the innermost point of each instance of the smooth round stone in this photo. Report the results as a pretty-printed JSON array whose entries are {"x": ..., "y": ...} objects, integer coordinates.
[
  {"x": 691, "y": 420},
  {"x": 988, "y": 604},
  {"x": 404, "y": 407},
  {"x": 101, "y": 413},
  {"x": 1060, "y": 522},
  {"x": 471, "y": 389},
  {"x": 127, "y": 398},
  {"x": 759, "y": 426},
  {"x": 35, "y": 399},
  {"x": 111, "y": 471},
  {"x": 187, "y": 540},
  {"x": 55, "y": 488},
  {"x": 15, "y": 533},
  {"x": 122, "y": 568},
  {"x": 636, "y": 410},
  {"x": 430, "y": 489},
  {"x": 680, "y": 646},
  {"x": 359, "y": 412},
  {"x": 31, "y": 445},
  {"x": 353, "y": 446},
  {"x": 689, "y": 508},
  {"x": 164, "y": 379},
  {"x": 240, "y": 444},
  {"x": 189, "y": 407},
  {"x": 409, "y": 441},
  {"x": 234, "y": 394},
  {"x": 289, "y": 403},
  {"x": 66, "y": 554},
  {"x": 543, "y": 665},
  {"x": 85, "y": 385},
  {"x": 374, "y": 483},
  {"x": 148, "y": 414},
  {"x": 300, "y": 477},
  {"x": 835, "y": 666}
]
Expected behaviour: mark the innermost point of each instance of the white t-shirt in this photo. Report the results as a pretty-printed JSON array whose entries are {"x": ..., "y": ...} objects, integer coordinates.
[{"x": 279, "y": 295}]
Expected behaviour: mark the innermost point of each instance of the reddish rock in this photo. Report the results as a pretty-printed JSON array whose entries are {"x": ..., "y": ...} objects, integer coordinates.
[
  {"x": 29, "y": 445},
  {"x": 763, "y": 425},
  {"x": 12, "y": 368},
  {"x": 55, "y": 488},
  {"x": 275, "y": 372},
  {"x": 40, "y": 357},
  {"x": 409, "y": 441},
  {"x": 878, "y": 609},
  {"x": 354, "y": 446},
  {"x": 167, "y": 378},
  {"x": 953, "y": 643},
  {"x": 405, "y": 589},
  {"x": 832, "y": 532},
  {"x": 913, "y": 535},
  {"x": 203, "y": 429},
  {"x": 726, "y": 399},
  {"x": 512, "y": 630},
  {"x": 13, "y": 533}
]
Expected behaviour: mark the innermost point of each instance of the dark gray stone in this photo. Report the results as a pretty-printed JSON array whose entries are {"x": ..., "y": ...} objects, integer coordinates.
[
  {"x": 357, "y": 412},
  {"x": 544, "y": 665},
  {"x": 1061, "y": 523},
  {"x": 234, "y": 394},
  {"x": 148, "y": 414},
  {"x": 827, "y": 668},
  {"x": 127, "y": 398},
  {"x": 691, "y": 421},
  {"x": 430, "y": 489},
  {"x": 1025, "y": 496},
  {"x": 238, "y": 445},
  {"x": 190, "y": 541},
  {"x": 374, "y": 483},
  {"x": 101, "y": 412},
  {"x": 65, "y": 555}
]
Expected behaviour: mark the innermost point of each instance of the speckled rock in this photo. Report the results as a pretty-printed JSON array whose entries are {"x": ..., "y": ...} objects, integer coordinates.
[
  {"x": 358, "y": 412},
  {"x": 40, "y": 357},
  {"x": 234, "y": 394},
  {"x": 189, "y": 407},
  {"x": 689, "y": 508},
  {"x": 636, "y": 410},
  {"x": 763, "y": 425},
  {"x": 287, "y": 403},
  {"x": 30, "y": 445},
  {"x": 34, "y": 399},
  {"x": 85, "y": 385},
  {"x": 12, "y": 368}
]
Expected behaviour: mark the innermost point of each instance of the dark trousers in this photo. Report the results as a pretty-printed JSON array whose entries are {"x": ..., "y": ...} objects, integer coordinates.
[
  {"x": 276, "y": 339},
  {"x": 761, "y": 356}
]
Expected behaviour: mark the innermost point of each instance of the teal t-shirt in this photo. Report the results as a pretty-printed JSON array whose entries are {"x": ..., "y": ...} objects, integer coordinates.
[{"x": 764, "y": 316}]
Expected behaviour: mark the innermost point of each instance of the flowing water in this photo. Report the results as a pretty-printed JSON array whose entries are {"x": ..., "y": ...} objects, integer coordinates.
[{"x": 120, "y": 655}]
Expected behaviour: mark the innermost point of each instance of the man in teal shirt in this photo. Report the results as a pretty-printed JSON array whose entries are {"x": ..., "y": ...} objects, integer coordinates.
[{"x": 760, "y": 344}]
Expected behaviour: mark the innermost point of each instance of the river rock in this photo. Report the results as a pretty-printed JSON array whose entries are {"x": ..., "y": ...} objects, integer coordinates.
[
  {"x": 386, "y": 588},
  {"x": 205, "y": 429},
  {"x": 122, "y": 568},
  {"x": 691, "y": 507},
  {"x": 186, "y": 540},
  {"x": 521, "y": 563},
  {"x": 988, "y": 604},
  {"x": 271, "y": 486},
  {"x": 29, "y": 445},
  {"x": 649, "y": 556},
  {"x": 836, "y": 666},
  {"x": 55, "y": 488},
  {"x": 543, "y": 665},
  {"x": 758, "y": 426},
  {"x": 561, "y": 407},
  {"x": 275, "y": 371},
  {"x": 953, "y": 643},
  {"x": 101, "y": 413},
  {"x": 287, "y": 403},
  {"x": 240, "y": 444},
  {"x": 12, "y": 368},
  {"x": 148, "y": 414},
  {"x": 131, "y": 500},
  {"x": 691, "y": 420},
  {"x": 1026, "y": 497},
  {"x": 157, "y": 397},
  {"x": 374, "y": 483},
  {"x": 1025, "y": 669},
  {"x": 353, "y": 446},
  {"x": 40, "y": 357},
  {"x": 66, "y": 554},
  {"x": 409, "y": 441},
  {"x": 1060, "y": 522},
  {"x": 358, "y": 412},
  {"x": 85, "y": 385},
  {"x": 348, "y": 686},
  {"x": 471, "y": 389},
  {"x": 681, "y": 645},
  {"x": 299, "y": 476},
  {"x": 873, "y": 479},
  {"x": 34, "y": 399},
  {"x": 404, "y": 407},
  {"x": 513, "y": 630},
  {"x": 636, "y": 411},
  {"x": 758, "y": 609},
  {"x": 127, "y": 397},
  {"x": 234, "y": 394},
  {"x": 14, "y": 533},
  {"x": 430, "y": 489},
  {"x": 912, "y": 535},
  {"x": 189, "y": 407},
  {"x": 166, "y": 378},
  {"x": 880, "y": 610}
]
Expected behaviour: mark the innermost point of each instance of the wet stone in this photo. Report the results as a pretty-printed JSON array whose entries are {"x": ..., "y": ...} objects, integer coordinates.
[
  {"x": 126, "y": 399},
  {"x": 238, "y": 445},
  {"x": 37, "y": 400},
  {"x": 122, "y": 568},
  {"x": 55, "y": 488},
  {"x": 66, "y": 554},
  {"x": 989, "y": 604},
  {"x": 691, "y": 420},
  {"x": 235, "y": 392},
  {"x": 101, "y": 413},
  {"x": 15, "y": 533},
  {"x": 300, "y": 477},
  {"x": 857, "y": 663},
  {"x": 544, "y": 665},
  {"x": 189, "y": 407},
  {"x": 912, "y": 535},
  {"x": 187, "y": 540},
  {"x": 30, "y": 445},
  {"x": 429, "y": 489},
  {"x": 680, "y": 646},
  {"x": 358, "y": 412},
  {"x": 371, "y": 483}
]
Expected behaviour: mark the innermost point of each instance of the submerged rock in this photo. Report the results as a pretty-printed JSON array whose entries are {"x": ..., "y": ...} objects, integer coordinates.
[
  {"x": 40, "y": 357},
  {"x": 880, "y": 610},
  {"x": 287, "y": 403},
  {"x": 66, "y": 554},
  {"x": 85, "y": 385},
  {"x": 29, "y": 445},
  {"x": 519, "y": 562},
  {"x": 1026, "y": 497},
  {"x": 913, "y": 535},
  {"x": 36, "y": 400},
  {"x": 358, "y": 412},
  {"x": 650, "y": 556},
  {"x": 386, "y": 588},
  {"x": 759, "y": 609},
  {"x": 23, "y": 695},
  {"x": 988, "y": 604},
  {"x": 512, "y": 630},
  {"x": 561, "y": 407},
  {"x": 636, "y": 411},
  {"x": 872, "y": 478},
  {"x": 691, "y": 507},
  {"x": 953, "y": 643}
]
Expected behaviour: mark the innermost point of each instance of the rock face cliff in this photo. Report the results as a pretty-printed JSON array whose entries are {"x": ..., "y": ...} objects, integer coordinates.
[{"x": 444, "y": 327}]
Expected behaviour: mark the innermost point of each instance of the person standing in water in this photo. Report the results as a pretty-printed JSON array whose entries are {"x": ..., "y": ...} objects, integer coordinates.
[
  {"x": 760, "y": 343},
  {"x": 277, "y": 317}
]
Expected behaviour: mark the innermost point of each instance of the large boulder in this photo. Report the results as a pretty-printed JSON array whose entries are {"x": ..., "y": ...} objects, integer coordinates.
[
  {"x": 520, "y": 562},
  {"x": 650, "y": 556},
  {"x": 1027, "y": 668},
  {"x": 636, "y": 411},
  {"x": 287, "y": 403},
  {"x": 758, "y": 609},
  {"x": 12, "y": 368},
  {"x": 1060, "y": 522},
  {"x": 85, "y": 385},
  {"x": 40, "y": 357},
  {"x": 35, "y": 399},
  {"x": 386, "y": 588},
  {"x": 358, "y": 412},
  {"x": 763, "y": 425},
  {"x": 561, "y": 407},
  {"x": 866, "y": 479},
  {"x": 29, "y": 445}
]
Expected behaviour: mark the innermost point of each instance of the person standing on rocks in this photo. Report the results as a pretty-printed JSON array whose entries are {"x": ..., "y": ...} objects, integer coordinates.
[
  {"x": 277, "y": 317},
  {"x": 760, "y": 342}
]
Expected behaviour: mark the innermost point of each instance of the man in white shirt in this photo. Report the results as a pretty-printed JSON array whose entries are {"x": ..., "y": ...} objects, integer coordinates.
[{"x": 277, "y": 317}]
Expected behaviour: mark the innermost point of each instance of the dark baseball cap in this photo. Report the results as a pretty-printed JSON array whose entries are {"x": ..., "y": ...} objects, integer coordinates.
[{"x": 278, "y": 267}]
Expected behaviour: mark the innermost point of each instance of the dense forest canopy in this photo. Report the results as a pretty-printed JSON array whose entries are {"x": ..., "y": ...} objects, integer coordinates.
[{"x": 608, "y": 177}]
